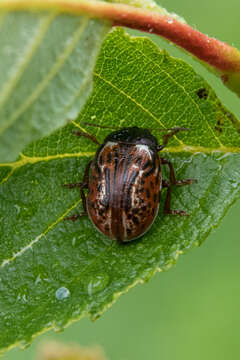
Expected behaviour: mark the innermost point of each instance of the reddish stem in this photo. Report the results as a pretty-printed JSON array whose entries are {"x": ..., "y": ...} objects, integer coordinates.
[
  {"x": 212, "y": 51},
  {"x": 221, "y": 56}
]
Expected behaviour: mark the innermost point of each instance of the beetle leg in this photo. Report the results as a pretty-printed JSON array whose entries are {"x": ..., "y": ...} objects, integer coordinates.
[
  {"x": 86, "y": 135},
  {"x": 167, "y": 205},
  {"x": 169, "y": 135},
  {"x": 83, "y": 185},
  {"x": 76, "y": 216},
  {"x": 173, "y": 180},
  {"x": 84, "y": 213},
  {"x": 84, "y": 204},
  {"x": 73, "y": 185}
]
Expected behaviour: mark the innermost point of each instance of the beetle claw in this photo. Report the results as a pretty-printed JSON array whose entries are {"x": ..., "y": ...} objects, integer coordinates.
[
  {"x": 176, "y": 212},
  {"x": 73, "y": 185},
  {"x": 75, "y": 217}
]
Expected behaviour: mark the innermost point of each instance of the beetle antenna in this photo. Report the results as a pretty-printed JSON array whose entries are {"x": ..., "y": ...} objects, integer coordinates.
[
  {"x": 168, "y": 136},
  {"x": 170, "y": 129},
  {"x": 176, "y": 129}
]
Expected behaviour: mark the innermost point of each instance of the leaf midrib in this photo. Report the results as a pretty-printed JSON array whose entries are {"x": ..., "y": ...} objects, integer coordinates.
[
  {"x": 24, "y": 160},
  {"x": 37, "y": 238}
]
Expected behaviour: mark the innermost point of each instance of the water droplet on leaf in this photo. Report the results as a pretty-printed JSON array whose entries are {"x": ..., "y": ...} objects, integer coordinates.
[
  {"x": 73, "y": 241},
  {"x": 38, "y": 279},
  {"x": 22, "y": 294},
  {"x": 62, "y": 293},
  {"x": 17, "y": 207},
  {"x": 96, "y": 283}
]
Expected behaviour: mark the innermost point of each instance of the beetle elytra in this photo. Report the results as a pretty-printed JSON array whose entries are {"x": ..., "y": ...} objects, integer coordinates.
[{"x": 124, "y": 183}]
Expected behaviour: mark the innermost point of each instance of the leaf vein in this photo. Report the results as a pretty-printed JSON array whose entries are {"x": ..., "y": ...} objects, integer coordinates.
[
  {"x": 133, "y": 100},
  {"x": 34, "y": 44},
  {"x": 34, "y": 241},
  {"x": 187, "y": 94},
  {"x": 53, "y": 71},
  {"x": 24, "y": 160}
]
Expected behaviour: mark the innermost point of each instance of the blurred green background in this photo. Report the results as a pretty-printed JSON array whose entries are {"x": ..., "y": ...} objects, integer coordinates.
[{"x": 192, "y": 311}]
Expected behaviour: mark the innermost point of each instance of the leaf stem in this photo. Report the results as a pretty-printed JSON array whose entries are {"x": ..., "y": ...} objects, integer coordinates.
[{"x": 222, "y": 58}]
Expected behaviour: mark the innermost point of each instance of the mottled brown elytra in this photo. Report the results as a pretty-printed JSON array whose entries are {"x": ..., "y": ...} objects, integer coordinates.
[{"x": 124, "y": 183}]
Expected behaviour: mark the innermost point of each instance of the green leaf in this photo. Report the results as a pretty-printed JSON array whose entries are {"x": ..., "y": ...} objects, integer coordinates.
[
  {"x": 54, "y": 272},
  {"x": 46, "y": 68}
]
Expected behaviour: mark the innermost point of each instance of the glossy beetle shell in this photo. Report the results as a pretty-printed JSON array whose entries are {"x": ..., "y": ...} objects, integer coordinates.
[
  {"x": 124, "y": 187},
  {"x": 124, "y": 183}
]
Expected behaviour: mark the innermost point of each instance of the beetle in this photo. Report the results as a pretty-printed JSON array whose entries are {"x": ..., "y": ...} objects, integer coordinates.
[{"x": 124, "y": 183}]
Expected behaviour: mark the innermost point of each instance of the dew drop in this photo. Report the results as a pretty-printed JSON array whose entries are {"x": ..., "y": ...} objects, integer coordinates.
[
  {"x": 62, "y": 293},
  {"x": 22, "y": 295},
  {"x": 170, "y": 21},
  {"x": 73, "y": 241},
  {"x": 24, "y": 211},
  {"x": 38, "y": 279},
  {"x": 76, "y": 313},
  {"x": 22, "y": 298},
  {"x": 76, "y": 240},
  {"x": 96, "y": 283},
  {"x": 17, "y": 207}
]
